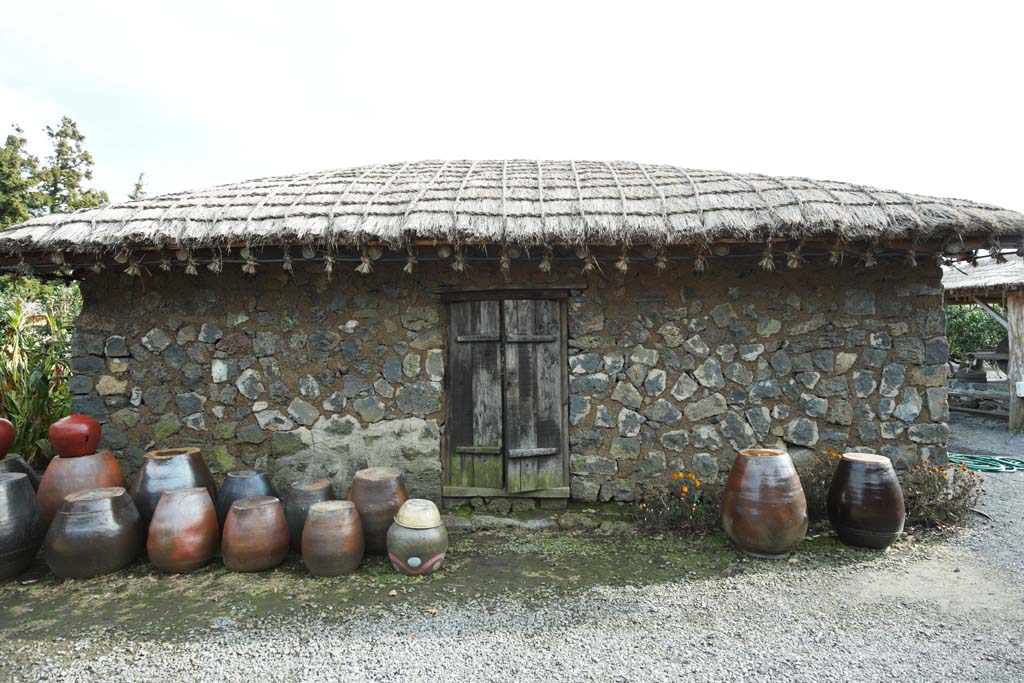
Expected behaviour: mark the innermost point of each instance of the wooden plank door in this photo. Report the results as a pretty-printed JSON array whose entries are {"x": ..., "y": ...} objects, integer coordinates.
[
  {"x": 475, "y": 456},
  {"x": 533, "y": 394}
]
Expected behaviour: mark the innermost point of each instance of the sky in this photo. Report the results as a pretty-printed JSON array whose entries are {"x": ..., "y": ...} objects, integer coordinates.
[{"x": 921, "y": 97}]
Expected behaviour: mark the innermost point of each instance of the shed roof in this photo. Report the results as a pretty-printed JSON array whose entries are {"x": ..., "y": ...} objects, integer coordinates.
[
  {"x": 987, "y": 278},
  {"x": 516, "y": 201}
]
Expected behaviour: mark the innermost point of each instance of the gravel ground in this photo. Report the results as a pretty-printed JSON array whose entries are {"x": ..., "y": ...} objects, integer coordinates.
[{"x": 930, "y": 609}]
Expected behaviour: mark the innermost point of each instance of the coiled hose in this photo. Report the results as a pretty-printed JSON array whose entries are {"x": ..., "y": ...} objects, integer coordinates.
[{"x": 987, "y": 463}]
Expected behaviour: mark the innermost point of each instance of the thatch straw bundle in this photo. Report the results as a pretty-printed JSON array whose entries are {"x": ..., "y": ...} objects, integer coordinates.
[
  {"x": 514, "y": 202},
  {"x": 985, "y": 277}
]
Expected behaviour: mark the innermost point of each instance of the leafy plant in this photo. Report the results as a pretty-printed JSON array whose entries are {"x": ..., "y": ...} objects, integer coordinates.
[
  {"x": 940, "y": 496},
  {"x": 969, "y": 328},
  {"x": 816, "y": 479},
  {"x": 34, "y": 359},
  {"x": 693, "y": 506}
]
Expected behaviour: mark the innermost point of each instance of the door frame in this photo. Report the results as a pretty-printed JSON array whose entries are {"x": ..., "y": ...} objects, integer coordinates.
[{"x": 560, "y": 294}]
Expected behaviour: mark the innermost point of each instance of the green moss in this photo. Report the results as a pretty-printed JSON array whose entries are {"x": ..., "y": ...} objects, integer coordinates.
[
  {"x": 225, "y": 430},
  {"x": 285, "y": 443},
  {"x": 167, "y": 426}
]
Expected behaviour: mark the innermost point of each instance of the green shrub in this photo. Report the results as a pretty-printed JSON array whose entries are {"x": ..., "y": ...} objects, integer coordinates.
[
  {"x": 35, "y": 331},
  {"x": 692, "y": 506},
  {"x": 970, "y": 328}
]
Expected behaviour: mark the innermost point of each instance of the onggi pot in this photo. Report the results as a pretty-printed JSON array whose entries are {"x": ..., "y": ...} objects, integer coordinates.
[
  {"x": 166, "y": 470},
  {"x": 96, "y": 531},
  {"x": 7, "y": 436},
  {"x": 303, "y": 495},
  {"x": 74, "y": 436},
  {"x": 16, "y": 463},
  {"x": 865, "y": 501},
  {"x": 418, "y": 540},
  {"x": 21, "y": 524},
  {"x": 183, "y": 535},
  {"x": 238, "y": 486},
  {"x": 255, "y": 535},
  {"x": 378, "y": 493},
  {"x": 67, "y": 475},
  {"x": 332, "y": 540},
  {"x": 764, "y": 511}
]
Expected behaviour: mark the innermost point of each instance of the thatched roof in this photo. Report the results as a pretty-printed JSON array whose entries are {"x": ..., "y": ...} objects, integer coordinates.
[
  {"x": 987, "y": 278},
  {"x": 516, "y": 201}
]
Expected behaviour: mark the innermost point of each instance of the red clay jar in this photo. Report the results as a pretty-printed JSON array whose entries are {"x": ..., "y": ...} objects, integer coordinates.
[
  {"x": 184, "y": 534},
  {"x": 865, "y": 501},
  {"x": 255, "y": 535},
  {"x": 764, "y": 511},
  {"x": 378, "y": 493},
  {"x": 7, "y": 436},
  {"x": 74, "y": 436},
  {"x": 67, "y": 475}
]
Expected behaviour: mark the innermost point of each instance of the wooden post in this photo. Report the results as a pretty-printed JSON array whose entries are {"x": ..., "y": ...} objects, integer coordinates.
[{"x": 1015, "y": 370}]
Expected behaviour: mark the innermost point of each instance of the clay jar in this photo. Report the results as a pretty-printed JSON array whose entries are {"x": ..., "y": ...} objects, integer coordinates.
[
  {"x": 16, "y": 463},
  {"x": 21, "y": 524},
  {"x": 7, "y": 436},
  {"x": 96, "y": 531},
  {"x": 301, "y": 497},
  {"x": 332, "y": 540},
  {"x": 255, "y": 535},
  {"x": 67, "y": 475},
  {"x": 239, "y": 486},
  {"x": 183, "y": 535},
  {"x": 865, "y": 501},
  {"x": 764, "y": 511},
  {"x": 418, "y": 540},
  {"x": 74, "y": 436},
  {"x": 167, "y": 470},
  {"x": 378, "y": 493}
]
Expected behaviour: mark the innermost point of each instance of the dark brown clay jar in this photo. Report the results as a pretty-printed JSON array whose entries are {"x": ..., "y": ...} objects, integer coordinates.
[
  {"x": 21, "y": 524},
  {"x": 167, "y": 470},
  {"x": 240, "y": 485},
  {"x": 67, "y": 475},
  {"x": 255, "y": 535},
  {"x": 301, "y": 496},
  {"x": 764, "y": 511},
  {"x": 96, "y": 531},
  {"x": 184, "y": 534},
  {"x": 332, "y": 539},
  {"x": 16, "y": 463},
  {"x": 378, "y": 493},
  {"x": 865, "y": 501}
]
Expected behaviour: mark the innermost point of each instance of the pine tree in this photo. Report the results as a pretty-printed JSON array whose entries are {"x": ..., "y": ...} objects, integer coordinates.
[
  {"x": 19, "y": 198},
  {"x": 139, "y": 191},
  {"x": 65, "y": 171}
]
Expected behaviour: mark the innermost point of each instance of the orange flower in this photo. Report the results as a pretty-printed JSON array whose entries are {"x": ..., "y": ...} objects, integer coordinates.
[
  {"x": 697, "y": 484},
  {"x": 686, "y": 489}
]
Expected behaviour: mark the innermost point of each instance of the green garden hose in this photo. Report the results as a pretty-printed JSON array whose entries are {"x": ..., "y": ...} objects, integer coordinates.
[{"x": 987, "y": 463}]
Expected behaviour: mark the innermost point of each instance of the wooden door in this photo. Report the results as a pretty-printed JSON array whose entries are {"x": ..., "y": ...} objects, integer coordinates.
[
  {"x": 507, "y": 398},
  {"x": 533, "y": 394}
]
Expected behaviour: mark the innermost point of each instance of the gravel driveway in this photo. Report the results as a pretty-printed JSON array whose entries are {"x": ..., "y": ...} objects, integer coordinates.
[{"x": 930, "y": 609}]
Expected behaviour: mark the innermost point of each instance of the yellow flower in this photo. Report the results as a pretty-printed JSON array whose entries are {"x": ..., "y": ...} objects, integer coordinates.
[
  {"x": 697, "y": 484},
  {"x": 686, "y": 489}
]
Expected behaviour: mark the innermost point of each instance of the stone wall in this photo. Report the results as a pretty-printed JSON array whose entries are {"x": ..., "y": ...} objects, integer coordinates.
[{"x": 313, "y": 377}]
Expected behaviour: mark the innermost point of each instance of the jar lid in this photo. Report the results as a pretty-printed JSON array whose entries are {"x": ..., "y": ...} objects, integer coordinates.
[{"x": 418, "y": 513}]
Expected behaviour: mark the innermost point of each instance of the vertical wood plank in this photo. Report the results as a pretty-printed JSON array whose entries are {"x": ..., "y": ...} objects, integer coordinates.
[{"x": 1015, "y": 369}]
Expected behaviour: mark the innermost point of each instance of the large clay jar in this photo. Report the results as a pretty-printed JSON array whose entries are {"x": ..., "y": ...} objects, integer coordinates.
[
  {"x": 255, "y": 535},
  {"x": 302, "y": 496},
  {"x": 166, "y": 470},
  {"x": 332, "y": 540},
  {"x": 183, "y": 535},
  {"x": 21, "y": 524},
  {"x": 7, "y": 436},
  {"x": 67, "y": 475},
  {"x": 865, "y": 501},
  {"x": 764, "y": 511},
  {"x": 418, "y": 539},
  {"x": 378, "y": 493},
  {"x": 16, "y": 463},
  {"x": 74, "y": 436},
  {"x": 239, "y": 486},
  {"x": 96, "y": 531}
]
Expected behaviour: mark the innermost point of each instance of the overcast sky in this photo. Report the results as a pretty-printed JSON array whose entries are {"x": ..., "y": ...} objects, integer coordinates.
[{"x": 922, "y": 97}]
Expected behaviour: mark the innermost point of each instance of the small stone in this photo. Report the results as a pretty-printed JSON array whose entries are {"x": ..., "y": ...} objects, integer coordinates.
[
  {"x": 625, "y": 448},
  {"x": 858, "y": 301},
  {"x": 111, "y": 386},
  {"x": 765, "y": 389},
  {"x": 760, "y": 420},
  {"x": 411, "y": 365},
  {"x": 87, "y": 364},
  {"x": 802, "y": 432},
  {"x": 684, "y": 387},
  {"x": 349, "y": 326},
  {"x": 844, "y": 361},
  {"x": 909, "y": 406},
  {"x": 808, "y": 379},
  {"x": 644, "y": 356},
  {"x": 707, "y": 437},
  {"x": 864, "y": 383},
  {"x": 196, "y": 422},
  {"x": 589, "y": 383},
  {"x": 654, "y": 384},
  {"x": 614, "y": 362},
  {"x": 259, "y": 405},
  {"x": 136, "y": 397},
  {"x": 604, "y": 418},
  {"x": 579, "y": 409},
  {"x": 697, "y": 347},
  {"x": 225, "y": 430},
  {"x": 249, "y": 384},
  {"x": 419, "y": 398},
  {"x": 736, "y": 430},
  {"x": 636, "y": 374},
  {"x": 210, "y": 333},
  {"x": 709, "y": 374},
  {"x": 750, "y": 352},
  {"x": 892, "y": 379},
  {"x": 672, "y": 335},
  {"x": 781, "y": 363},
  {"x": 630, "y": 422},
  {"x": 813, "y": 406},
  {"x": 79, "y": 384},
  {"x": 118, "y": 365},
  {"x": 584, "y": 363},
  {"x": 168, "y": 425},
  {"x": 156, "y": 340},
  {"x": 251, "y": 433},
  {"x": 427, "y": 340},
  {"x": 675, "y": 441},
  {"x": 435, "y": 365},
  {"x": 266, "y": 344},
  {"x": 236, "y": 318},
  {"x": 738, "y": 373},
  {"x": 892, "y": 430},
  {"x": 223, "y": 370},
  {"x": 335, "y": 402},
  {"x": 714, "y": 404},
  {"x": 382, "y": 387},
  {"x": 309, "y": 387},
  {"x": 626, "y": 394},
  {"x": 303, "y": 413},
  {"x": 190, "y": 402},
  {"x": 652, "y": 464},
  {"x": 840, "y": 412},
  {"x": 936, "y": 351},
  {"x": 392, "y": 370},
  {"x": 663, "y": 412},
  {"x": 273, "y": 421},
  {"x": 723, "y": 314},
  {"x": 126, "y": 418},
  {"x": 116, "y": 347},
  {"x": 705, "y": 466},
  {"x": 766, "y": 327},
  {"x": 419, "y": 318}
]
